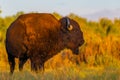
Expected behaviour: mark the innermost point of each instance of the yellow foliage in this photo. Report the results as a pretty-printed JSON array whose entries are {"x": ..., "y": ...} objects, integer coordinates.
[{"x": 101, "y": 48}]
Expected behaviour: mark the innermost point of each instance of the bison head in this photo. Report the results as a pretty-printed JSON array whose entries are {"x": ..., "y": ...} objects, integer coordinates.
[{"x": 71, "y": 34}]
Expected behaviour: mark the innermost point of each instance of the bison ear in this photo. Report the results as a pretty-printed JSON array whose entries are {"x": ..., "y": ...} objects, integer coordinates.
[{"x": 65, "y": 21}]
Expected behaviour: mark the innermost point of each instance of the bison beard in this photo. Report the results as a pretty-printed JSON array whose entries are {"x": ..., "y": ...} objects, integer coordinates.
[{"x": 40, "y": 36}]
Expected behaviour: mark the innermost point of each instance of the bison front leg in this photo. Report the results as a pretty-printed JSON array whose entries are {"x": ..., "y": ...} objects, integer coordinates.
[
  {"x": 11, "y": 60},
  {"x": 22, "y": 62},
  {"x": 33, "y": 64},
  {"x": 37, "y": 66},
  {"x": 33, "y": 67},
  {"x": 41, "y": 67}
]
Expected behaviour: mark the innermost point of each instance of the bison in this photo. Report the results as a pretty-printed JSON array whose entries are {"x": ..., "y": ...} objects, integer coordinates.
[{"x": 40, "y": 36}]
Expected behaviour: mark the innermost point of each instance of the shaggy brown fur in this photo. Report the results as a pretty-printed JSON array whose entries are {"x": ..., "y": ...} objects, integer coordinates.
[{"x": 39, "y": 36}]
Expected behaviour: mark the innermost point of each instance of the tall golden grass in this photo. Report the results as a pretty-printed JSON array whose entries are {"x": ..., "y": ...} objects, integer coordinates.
[{"x": 101, "y": 50}]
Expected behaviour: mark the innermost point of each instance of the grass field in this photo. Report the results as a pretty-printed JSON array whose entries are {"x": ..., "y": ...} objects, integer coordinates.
[{"x": 66, "y": 73}]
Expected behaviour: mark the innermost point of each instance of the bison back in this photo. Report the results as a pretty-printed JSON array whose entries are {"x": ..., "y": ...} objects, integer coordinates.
[{"x": 32, "y": 32}]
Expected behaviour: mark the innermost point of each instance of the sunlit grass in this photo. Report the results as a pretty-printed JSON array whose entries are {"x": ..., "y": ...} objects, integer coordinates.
[{"x": 66, "y": 73}]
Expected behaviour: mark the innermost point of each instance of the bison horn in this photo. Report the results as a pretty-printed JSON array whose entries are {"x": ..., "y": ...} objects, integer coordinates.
[{"x": 69, "y": 26}]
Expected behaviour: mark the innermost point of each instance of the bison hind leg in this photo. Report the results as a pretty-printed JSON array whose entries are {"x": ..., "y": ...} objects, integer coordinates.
[
  {"x": 22, "y": 61},
  {"x": 11, "y": 60}
]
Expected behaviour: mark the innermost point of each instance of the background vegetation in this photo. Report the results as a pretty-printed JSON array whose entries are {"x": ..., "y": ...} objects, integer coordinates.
[{"x": 99, "y": 57}]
